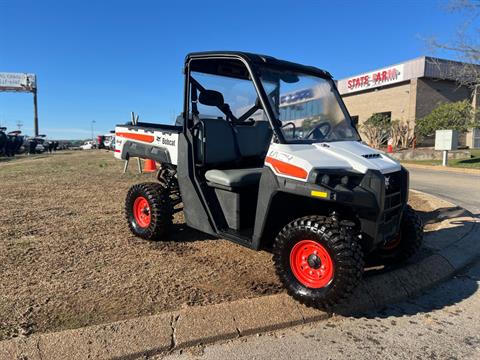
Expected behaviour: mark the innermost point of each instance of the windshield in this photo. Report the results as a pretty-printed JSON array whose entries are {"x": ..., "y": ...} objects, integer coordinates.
[{"x": 307, "y": 106}]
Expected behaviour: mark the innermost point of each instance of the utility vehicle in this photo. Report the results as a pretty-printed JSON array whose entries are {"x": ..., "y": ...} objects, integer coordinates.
[
  {"x": 109, "y": 140},
  {"x": 3, "y": 140},
  {"x": 11, "y": 142},
  {"x": 265, "y": 154}
]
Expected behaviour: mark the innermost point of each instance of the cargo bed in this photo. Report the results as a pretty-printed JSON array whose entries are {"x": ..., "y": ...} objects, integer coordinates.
[{"x": 148, "y": 141}]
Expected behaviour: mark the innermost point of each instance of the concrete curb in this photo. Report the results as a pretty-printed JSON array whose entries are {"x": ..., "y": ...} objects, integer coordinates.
[
  {"x": 442, "y": 168},
  {"x": 133, "y": 338}
]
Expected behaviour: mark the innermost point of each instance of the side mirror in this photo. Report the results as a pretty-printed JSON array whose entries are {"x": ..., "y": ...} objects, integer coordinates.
[{"x": 211, "y": 98}]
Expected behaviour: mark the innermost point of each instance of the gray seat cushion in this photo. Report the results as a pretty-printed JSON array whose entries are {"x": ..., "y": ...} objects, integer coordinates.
[{"x": 234, "y": 177}]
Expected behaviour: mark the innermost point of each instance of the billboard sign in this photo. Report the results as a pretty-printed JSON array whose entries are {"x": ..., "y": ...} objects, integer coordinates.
[
  {"x": 375, "y": 79},
  {"x": 17, "y": 82}
]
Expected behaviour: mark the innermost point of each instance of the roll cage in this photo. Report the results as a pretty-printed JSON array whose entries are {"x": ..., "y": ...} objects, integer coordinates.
[{"x": 225, "y": 63}]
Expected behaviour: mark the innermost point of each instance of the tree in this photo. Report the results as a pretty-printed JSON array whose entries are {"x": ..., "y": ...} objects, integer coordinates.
[
  {"x": 402, "y": 134},
  {"x": 448, "y": 116},
  {"x": 376, "y": 129},
  {"x": 466, "y": 45}
]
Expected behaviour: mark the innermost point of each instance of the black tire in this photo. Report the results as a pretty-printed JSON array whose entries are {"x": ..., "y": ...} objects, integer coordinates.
[
  {"x": 160, "y": 211},
  {"x": 345, "y": 253},
  {"x": 410, "y": 241}
]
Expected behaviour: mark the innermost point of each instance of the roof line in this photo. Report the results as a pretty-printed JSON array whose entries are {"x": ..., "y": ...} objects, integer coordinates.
[{"x": 403, "y": 62}]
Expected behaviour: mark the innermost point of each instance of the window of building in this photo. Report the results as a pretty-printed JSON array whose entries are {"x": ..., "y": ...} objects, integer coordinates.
[
  {"x": 387, "y": 114},
  {"x": 300, "y": 111}
]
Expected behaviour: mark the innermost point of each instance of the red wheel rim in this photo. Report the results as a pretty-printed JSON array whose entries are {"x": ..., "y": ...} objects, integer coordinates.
[
  {"x": 311, "y": 264},
  {"x": 393, "y": 244},
  {"x": 141, "y": 212}
]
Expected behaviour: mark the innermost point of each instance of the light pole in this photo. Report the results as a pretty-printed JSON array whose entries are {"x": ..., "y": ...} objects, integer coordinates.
[{"x": 93, "y": 122}]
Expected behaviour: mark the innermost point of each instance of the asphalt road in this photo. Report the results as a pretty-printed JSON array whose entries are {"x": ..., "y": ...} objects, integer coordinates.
[
  {"x": 460, "y": 189},
  {"x": 441, "y": 324}
]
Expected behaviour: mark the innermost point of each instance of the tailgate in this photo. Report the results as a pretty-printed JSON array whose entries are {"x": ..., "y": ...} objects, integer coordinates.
[{"x": 147, "y": 143}]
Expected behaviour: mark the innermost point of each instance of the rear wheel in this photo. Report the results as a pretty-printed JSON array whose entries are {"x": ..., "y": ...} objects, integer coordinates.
[
  {"x": 408, "y": 241},
  {"x": 148, "y": 211},
  {"x": 318, "y": 261}
]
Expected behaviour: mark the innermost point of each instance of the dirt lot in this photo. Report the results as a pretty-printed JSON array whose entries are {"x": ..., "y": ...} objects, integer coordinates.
[{"x": 67, "y": 258}]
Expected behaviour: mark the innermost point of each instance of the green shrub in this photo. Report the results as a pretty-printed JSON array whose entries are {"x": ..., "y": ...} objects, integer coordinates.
[
  {"x": 448, "y": 116},
  {"x": 376, "y": 129}
]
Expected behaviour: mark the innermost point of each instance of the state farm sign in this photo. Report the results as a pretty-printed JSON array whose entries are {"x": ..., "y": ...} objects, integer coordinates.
[{"x": 375, "y": 78}]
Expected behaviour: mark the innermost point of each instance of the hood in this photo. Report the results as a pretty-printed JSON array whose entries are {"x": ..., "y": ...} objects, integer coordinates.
[{"x": 358, "y": 156}]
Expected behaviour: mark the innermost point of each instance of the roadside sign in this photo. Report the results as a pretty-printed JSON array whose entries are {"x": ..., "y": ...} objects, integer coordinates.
[
  {"x": 22, "y": 82},
  {"x": 446, "y": 140},
  {"x": 18, "y": 82}
]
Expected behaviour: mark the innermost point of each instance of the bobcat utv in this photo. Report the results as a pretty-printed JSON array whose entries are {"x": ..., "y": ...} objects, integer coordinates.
[{"x": 265, "y": 154}]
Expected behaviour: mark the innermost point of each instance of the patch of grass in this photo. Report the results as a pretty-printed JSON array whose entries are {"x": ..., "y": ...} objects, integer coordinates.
[
  {"x": 65, "y": 321},
  {"x": 473, "y": 162}
]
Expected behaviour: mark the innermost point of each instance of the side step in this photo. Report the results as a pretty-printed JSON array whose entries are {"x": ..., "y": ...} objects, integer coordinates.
[{"x": 234, "y": 236}]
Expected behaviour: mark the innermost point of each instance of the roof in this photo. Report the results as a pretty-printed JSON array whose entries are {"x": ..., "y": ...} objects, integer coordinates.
[
  {"x": 259, "y": 59},
  {"x": 420, "y": 67}
]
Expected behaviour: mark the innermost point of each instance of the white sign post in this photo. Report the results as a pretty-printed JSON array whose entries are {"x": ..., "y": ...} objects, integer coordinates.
[{"x": 446, "y": 140}]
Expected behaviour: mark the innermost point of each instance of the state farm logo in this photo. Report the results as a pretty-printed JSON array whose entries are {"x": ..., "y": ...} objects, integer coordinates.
[{"x": 376, "y": 78}]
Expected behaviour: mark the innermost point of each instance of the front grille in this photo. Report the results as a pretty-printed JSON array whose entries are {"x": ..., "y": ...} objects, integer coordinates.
[
  {"x": 393, "y": 182},
  {"x": 393, "y": 204}
]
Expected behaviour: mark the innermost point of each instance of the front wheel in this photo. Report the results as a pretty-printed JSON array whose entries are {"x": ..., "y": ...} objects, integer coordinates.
[
  {"x": 148, "y": 210},
  {"x": 318, "y": 261}
]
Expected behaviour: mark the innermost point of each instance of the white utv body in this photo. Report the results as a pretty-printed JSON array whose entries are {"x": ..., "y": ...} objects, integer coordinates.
[{"x": 265, "y": 154}]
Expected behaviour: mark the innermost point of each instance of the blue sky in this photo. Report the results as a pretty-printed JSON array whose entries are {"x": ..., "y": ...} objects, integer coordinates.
[{"x": 100, "y": 60}]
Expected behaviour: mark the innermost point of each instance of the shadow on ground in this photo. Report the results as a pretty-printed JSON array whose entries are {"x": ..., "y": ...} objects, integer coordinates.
[
  {"x": 470, "y": 161},
  {"x": 441, "y": 214},
  {"x": 181, "y": 233},
  {"x": 20, "y": 157},
  {"x": 456, "y": 290},
  {"x": 452, "y": 292}
]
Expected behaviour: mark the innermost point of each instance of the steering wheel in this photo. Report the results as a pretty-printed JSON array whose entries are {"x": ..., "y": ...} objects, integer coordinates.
[
  {"x": 292, "y": 124},
  {"x": 320, "y": 131}
]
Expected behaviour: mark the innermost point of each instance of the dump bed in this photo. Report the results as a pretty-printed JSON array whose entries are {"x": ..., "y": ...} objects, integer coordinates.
[{"x": 148, "y": 141}]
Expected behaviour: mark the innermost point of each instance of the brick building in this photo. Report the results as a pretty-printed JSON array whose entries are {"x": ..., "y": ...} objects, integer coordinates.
[{"x": 407, "y": 91}]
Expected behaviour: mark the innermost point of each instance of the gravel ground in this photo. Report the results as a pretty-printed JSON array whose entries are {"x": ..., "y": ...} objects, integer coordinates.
[{"x": 67, "y": 258}]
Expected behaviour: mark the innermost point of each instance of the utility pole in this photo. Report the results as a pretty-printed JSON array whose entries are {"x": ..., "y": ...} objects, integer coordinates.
[
  {"x": 35, "y": 112},
  {"x": 93, "y": 122}
]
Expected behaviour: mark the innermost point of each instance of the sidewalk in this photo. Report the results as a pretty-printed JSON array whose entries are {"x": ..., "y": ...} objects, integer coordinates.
[{"x": 442, "y": 168}]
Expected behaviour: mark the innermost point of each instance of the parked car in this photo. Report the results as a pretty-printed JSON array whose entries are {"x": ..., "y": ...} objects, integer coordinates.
[{"x": 88, "y": 145}]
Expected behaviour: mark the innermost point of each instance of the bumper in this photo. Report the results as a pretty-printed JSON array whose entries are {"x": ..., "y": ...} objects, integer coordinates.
[
  {"x": 375, "y": 200},
  {"x": 388, "y": 196}
]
